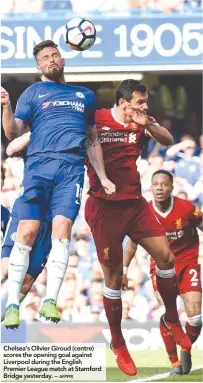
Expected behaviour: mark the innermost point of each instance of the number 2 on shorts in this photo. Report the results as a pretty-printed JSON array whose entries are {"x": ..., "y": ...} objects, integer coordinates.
[{"x": 194, "y": 279}]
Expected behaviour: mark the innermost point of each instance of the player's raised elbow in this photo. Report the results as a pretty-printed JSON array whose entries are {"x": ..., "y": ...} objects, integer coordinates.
[{"x": 10, "y": 135}]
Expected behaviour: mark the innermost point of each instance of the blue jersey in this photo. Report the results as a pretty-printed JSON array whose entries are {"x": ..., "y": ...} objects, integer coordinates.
[{"x": 58, "y": 115}]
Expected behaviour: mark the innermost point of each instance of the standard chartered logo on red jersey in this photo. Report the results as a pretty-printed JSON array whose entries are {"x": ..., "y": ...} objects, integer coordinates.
[
  {"x": 175, "y": 234},
  {"x": 117, "y": 137},
  {"x": 75, "y": 105}
]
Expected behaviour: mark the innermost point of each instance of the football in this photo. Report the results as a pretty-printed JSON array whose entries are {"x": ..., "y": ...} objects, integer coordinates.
[{"x": 80, "y": 34}]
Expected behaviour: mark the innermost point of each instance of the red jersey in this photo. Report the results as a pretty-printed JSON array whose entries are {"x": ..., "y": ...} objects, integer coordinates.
[
  {"x": 180, "y": 222},
  {"x": 121, "y": 145}
]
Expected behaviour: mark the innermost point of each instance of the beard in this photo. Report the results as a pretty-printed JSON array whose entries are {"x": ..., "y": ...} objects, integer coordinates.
[{"x": 54, "y": 74}]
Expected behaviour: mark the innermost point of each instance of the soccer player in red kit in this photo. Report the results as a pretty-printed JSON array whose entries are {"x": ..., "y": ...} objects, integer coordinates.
[
  {"x": 122, "y": 131},
  {"x": 180, "y": 219}
]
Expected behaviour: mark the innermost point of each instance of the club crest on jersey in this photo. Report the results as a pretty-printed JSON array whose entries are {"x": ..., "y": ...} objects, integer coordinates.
[
  {"x": 179, "y": 224},
  {"x": 197, "y": 212},
  {"x": 80, "y": 95},
  {"x": 106, "y": 253}
]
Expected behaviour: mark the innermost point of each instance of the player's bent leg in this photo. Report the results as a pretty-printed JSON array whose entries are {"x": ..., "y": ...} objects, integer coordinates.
[
  {"x": 113, "y": 308},
  {"x": 26, "y": 287},
  {"x": 56, "y": 266},
  {"x": 166, "y": 280},
  {"x": 18, "y": 266},
  {"x": 166, "y": 334},
  {"x": 192, "y": 301}
]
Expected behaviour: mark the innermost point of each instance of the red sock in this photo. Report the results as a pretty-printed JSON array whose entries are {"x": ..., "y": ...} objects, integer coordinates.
[
  {"x": 193, "y": 331},
  {"x": 168, "y": 290},
  {"x": 113, "y": 308},
  {"x": 169, "y": 342}
]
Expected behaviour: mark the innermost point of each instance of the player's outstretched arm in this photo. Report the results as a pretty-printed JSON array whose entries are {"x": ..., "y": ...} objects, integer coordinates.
[
  {"x": 12, "y": 127},
  {"x": 129, "y": 253},
  {"x": 18, "y": 144},
  {"x": 95, "y": 155},
  {"x": 159, "y": 133}
]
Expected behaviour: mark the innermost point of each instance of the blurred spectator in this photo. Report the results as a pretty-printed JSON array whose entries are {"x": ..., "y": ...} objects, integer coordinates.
[
  {"x": 182, "y": 195},
  {"x": 13, "y": 174},
  {"x": 24, "y": 6},
  {"x": 49, "y": 5},
  {"x": 188, "y": 166},
  {"x": 102, "y": 6}
]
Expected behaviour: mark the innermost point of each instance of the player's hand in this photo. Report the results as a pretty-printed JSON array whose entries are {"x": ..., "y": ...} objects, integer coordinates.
[
  {"x": 108, "y": 186},
  {"x": 124, "y": 282},
  {"x": 140, "y": 117},
  {"x": 5, "y": 99}
]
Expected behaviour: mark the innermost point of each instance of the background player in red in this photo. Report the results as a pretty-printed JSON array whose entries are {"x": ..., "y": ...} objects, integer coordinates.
[
  {"x": 122, "y": 131},
  {"x": 180, "y": 220}
]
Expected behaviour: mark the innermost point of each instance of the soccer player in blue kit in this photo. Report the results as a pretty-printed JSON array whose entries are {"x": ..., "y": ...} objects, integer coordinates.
[{"x": 63, "y": 130}]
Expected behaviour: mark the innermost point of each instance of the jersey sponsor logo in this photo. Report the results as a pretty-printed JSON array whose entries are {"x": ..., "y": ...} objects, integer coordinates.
[
  {"x": 117, "y": 137},
  {"x": 179, "y": 224},
  {"x": 105, "y": 128},
  {"x": 75, "y": 105},
  {"x": 80, "y": 95},
  {"x": 43, "y": 95},
  {"x": 175, "y": 234}
]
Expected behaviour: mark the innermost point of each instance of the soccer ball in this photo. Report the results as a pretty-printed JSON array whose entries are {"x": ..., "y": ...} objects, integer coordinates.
[{"x": 80, "y": 34}]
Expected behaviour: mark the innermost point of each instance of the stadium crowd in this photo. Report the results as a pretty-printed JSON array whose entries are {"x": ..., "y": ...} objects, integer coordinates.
[
  {"x": 81, "y": 294},
  {"x": 101, "y": 6}
]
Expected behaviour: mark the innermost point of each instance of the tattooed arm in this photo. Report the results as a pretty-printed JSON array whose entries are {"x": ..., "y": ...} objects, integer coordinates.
[{"x": 95, "y": 155}]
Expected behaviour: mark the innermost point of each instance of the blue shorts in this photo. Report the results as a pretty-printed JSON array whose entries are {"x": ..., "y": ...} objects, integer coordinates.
[
  {"x": 51, "y": 183},
  {"x": 40, "y": 250}
]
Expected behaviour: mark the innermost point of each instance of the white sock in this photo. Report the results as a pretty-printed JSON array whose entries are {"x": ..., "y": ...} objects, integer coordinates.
[
  {"x": 17, "y": 269},
  {"x": 56, "y": 267},
  {"x": 4, "y": 299}
]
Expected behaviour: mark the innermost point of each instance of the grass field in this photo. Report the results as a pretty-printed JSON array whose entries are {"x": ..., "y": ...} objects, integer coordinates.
[{"x": 150, "y": 363}]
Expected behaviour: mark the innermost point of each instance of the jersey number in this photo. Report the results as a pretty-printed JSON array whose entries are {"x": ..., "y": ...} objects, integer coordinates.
[
  {"x": 194, "y": 280},
  {"x": 78, "y": 194}
]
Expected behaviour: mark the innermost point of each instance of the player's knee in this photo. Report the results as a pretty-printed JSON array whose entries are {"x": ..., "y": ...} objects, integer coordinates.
[
  {"x": 61, "y": 228},
  {"x": 165, "y": 259},
  {"x": 27, "y": 284},
  {"x": 195, "y": 320},
  {"x": 27, "y": 232},
  {"x": 114, "y": 280}
]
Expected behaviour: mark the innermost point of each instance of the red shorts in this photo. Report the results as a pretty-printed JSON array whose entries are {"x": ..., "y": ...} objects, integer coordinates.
[
  {"x": 111, "y": 221},
  {"x": 188, "y": 275}
]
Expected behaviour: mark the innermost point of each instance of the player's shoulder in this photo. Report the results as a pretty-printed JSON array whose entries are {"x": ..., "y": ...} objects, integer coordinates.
[
  {"x": 183, "y": 205},
  {"x": 102, "y": 113},
  {"x": 32, "y": 88}
]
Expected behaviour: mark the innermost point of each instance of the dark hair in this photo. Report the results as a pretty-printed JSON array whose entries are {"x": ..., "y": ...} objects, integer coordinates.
[
  {"x": 126, "y": 89},
  {"x": 164, "y": 172},
  {"x": 42, "y": 45}
]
